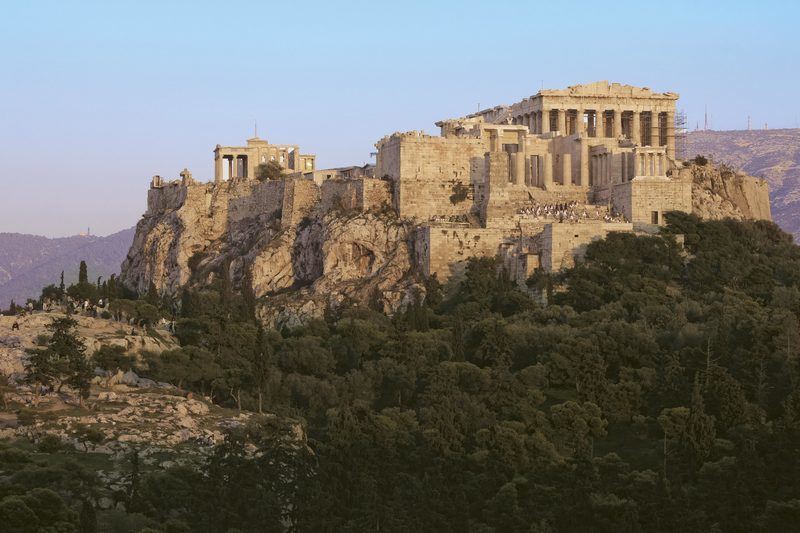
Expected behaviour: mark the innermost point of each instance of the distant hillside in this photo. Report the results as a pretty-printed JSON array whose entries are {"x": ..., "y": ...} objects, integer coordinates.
[
  {"x": 29, "y": 262},
  {"x": 771, "y": 154}
]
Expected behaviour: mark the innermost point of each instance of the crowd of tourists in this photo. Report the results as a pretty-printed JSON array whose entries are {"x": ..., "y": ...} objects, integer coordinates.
[{"x": 569, "y": 212}]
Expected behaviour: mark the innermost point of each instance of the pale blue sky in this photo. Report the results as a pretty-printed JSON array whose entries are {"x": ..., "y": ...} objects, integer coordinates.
[{"x": 96, "y": 97}]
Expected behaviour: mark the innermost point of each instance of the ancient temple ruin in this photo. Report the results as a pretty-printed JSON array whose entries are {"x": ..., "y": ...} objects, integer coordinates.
[
  {"x": 532, "y": 183},
  {"x": 241, "y": 161}
]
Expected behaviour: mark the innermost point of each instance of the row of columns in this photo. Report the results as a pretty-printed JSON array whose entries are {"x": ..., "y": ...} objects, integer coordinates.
[
  {"x": 542, "y": 122},
  {"x": 649, "y": 164},
  {"x": 235, "y": 165},
  {"x": 602, "y": 168}
]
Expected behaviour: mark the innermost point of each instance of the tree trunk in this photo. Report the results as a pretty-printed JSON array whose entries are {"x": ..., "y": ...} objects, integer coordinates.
[{"x": 260, "y": 402}]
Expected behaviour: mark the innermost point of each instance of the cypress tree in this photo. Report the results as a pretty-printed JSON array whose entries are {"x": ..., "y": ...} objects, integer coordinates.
[{"x": 83, "y": 274}]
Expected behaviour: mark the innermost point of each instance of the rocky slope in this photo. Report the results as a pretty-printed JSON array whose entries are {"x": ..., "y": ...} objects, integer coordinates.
[
  {"x": 95, "y": 332},
  {"x": 29, "y": 262},
  {"x": 771, "y": 154}
]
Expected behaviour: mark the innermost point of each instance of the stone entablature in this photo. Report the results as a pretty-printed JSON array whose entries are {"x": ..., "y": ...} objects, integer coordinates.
[{"x": 598, "y": 110}]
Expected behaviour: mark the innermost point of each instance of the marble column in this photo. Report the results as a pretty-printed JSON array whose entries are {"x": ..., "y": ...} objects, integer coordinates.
[
  {"x": 566, "y": 170},
  {"x": 636, "y": 133},
  {"x": 599, "y": 124},
  {"x": 545, "y": 123},
  {"x": 562, "y": 121},
  {"x": 218, "y": 169},
  {"x": 654, "y": 128},
  {"x": 616, "y": 126},
  {"x": 671, "y": 135},
  {"x": 583, "y": 178},
  {"x": 547, "y": 171}
]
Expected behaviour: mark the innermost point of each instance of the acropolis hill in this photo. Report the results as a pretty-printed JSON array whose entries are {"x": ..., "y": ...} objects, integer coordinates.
[{"x": 531, "y": 183}]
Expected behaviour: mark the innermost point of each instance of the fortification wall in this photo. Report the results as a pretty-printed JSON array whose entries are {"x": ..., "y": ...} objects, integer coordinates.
[
  {"x": 361, "y": 194},
  {"x": 299, "y": 198},
  {"x": 169, "y": 197},
  {"x": 434, "y": 176},
  {"x": 375, "y": 193},
  {"x": 247, "y": 199},
  {"x": 563, "y": 244},
  {"x": 444, "y": 250},
  {"x": 339, "y": 193},
  {"x": 644, "y": 200}
]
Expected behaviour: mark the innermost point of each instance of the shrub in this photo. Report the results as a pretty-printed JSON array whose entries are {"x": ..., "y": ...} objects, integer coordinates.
[
  {"x": 50, "y": 444},
  {"x": 460, "y": 193},
  {"x": 269, "y": 171}
]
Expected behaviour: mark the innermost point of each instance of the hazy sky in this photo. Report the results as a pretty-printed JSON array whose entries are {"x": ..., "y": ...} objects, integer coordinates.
[{"x": 96, "y": 97}]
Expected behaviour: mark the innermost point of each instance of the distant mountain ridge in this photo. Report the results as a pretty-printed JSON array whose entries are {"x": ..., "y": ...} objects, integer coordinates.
[
  {"x": 29, "y": 262},
  {"x": 771, "y": 154}
]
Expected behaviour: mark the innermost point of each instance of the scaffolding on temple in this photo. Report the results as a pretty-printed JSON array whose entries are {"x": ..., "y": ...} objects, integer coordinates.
[{"x": 680, "y": 134}]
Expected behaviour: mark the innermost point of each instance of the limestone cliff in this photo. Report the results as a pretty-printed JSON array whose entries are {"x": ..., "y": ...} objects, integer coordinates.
[
  {"x": 718, "y": 192},
  {"x": 275, "y": 241},
  {"x": 771, "y": 154}
]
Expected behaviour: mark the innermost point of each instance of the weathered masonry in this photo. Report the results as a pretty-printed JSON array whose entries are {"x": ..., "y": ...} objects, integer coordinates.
[
  {"x": 599, "y": 155},
  {"x": 241, "y": 161}
]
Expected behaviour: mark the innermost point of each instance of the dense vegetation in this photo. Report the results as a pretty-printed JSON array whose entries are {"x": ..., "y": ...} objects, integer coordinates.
[{"x": 659, "y": 390}]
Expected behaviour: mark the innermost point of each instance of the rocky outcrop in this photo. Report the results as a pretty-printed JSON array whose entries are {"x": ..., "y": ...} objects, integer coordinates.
[
  {"x": 273, "y": 241},
  {"x": 335, "y": 260},
  {"x": 719, "y": 192},
  {"x": 772, "y": 154}
]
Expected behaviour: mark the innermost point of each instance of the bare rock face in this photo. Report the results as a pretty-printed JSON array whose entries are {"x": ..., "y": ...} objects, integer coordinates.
[
  {"x": 718, "y": 192},
  {"x": 179, "y": 222},
  {"x": 337, "y": 260},
  {"x": 296, "y": 271}
]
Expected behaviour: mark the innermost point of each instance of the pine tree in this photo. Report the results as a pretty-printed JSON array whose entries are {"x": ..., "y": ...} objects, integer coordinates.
[{"x": 61, "y": 361}]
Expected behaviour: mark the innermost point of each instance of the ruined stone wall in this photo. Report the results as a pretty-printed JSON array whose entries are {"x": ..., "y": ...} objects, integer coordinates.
[
  {"x": 339, "y": 193},
  {"x": 430, "y": 171},
  {"x": 249, "y": 198},
  {"x": 299, "y": 198},
  {"x": 563, "y": 244},
  {"x": 375, "y": 193},
  {"x": 641, "y": 197},
  {"x": 361, "y": 194},
  {"x": 444, "y": 250},
  {"x": 169, "y": 197}
]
